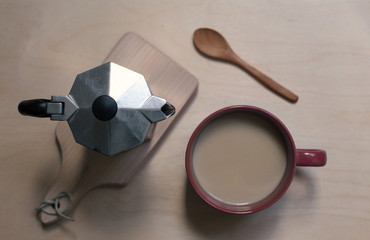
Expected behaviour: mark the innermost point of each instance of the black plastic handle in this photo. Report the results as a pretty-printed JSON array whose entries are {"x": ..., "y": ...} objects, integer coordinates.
[{"x": 34, "y": 107}]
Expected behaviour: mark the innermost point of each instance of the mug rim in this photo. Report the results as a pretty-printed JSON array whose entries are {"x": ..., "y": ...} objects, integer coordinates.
[{"x": 222, "y": 205}]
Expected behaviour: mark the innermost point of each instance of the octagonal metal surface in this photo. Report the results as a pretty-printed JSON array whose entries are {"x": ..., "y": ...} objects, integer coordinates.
[{"x": 129, "y": 127}]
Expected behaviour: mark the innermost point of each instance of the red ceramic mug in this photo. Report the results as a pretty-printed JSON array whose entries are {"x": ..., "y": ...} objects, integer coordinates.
[{"x": 293, "y": 157}]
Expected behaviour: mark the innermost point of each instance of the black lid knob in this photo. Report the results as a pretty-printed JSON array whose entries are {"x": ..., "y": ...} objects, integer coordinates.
[{"x": 104, "y": 108}]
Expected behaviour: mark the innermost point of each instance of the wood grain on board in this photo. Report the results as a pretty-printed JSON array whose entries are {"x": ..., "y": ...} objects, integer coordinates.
[{"x": 83, "y": 169}]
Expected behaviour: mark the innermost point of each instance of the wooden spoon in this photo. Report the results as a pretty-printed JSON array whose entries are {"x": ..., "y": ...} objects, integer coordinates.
[{"x": 213, "y": 44}]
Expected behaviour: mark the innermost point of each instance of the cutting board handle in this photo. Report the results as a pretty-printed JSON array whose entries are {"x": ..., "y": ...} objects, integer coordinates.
[{"x": 62, "y": 196}]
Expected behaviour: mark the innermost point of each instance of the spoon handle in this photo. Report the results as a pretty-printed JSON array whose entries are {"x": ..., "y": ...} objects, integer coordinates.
[{"x": 266, "y": 80}]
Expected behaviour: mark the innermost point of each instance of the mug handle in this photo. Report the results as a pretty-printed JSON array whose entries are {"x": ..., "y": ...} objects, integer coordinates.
[{"x": 310, "y": 157}]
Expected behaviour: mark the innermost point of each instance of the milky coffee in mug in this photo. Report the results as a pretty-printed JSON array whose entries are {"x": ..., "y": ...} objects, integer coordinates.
[{"x": 241, "y": 159}]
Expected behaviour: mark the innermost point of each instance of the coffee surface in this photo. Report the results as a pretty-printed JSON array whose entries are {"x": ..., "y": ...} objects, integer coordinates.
[{"x": 239, "y": 158}]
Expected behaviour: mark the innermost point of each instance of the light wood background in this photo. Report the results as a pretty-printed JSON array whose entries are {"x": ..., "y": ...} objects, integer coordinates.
[{"x": 318, "y": 49}]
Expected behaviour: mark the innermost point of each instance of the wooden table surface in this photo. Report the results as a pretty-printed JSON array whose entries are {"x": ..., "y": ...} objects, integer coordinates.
[{"x": 318, "y": 49}]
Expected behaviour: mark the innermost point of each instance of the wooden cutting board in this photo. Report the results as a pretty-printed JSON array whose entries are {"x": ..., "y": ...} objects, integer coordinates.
[{"x": 83, "y": 169}]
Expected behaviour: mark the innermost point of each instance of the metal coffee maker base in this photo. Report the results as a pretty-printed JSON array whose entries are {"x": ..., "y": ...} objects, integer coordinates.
[{"x": 109, "y": 109}]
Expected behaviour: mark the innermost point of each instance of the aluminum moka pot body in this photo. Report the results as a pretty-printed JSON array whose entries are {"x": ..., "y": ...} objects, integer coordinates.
[{"x": 109, "y": 109}]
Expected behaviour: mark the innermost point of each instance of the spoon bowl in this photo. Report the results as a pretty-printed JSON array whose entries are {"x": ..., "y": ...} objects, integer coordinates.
[{"x": 213, "y": 44}]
